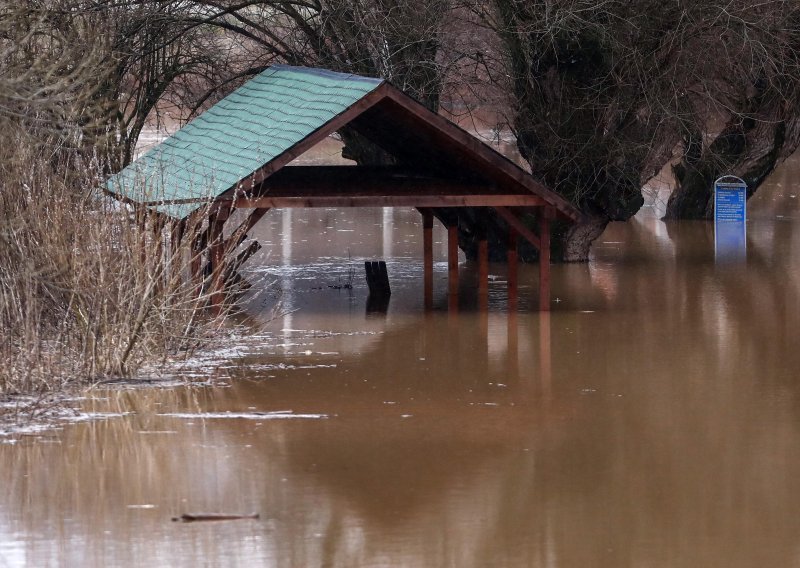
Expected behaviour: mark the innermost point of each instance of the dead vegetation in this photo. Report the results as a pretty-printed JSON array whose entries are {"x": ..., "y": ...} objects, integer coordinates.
[{"x": 86, "y": 289}]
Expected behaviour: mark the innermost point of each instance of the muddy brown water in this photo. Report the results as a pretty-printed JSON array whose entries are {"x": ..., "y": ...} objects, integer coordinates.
[{"x": 652, "y": 419}]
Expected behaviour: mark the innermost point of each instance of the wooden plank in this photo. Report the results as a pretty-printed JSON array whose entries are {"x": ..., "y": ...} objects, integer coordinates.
[
  {"x": 425, "y": 201},
  {"x": 427, "y": 255},
  {"x": 515, "y": 223},
  {"x": 544, "y": 258}
]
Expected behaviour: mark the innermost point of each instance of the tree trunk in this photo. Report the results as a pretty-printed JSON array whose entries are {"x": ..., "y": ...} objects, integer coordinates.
[
  {"x": 750, "y": 146},
  {"x": 573, "y": 242}
]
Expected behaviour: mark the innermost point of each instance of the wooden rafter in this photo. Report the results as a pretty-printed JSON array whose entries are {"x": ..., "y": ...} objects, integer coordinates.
[{"x": 515, "y": 223}]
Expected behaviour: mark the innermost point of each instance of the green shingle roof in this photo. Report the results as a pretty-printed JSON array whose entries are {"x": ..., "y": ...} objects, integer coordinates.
[{"x": 247, "y": 129}]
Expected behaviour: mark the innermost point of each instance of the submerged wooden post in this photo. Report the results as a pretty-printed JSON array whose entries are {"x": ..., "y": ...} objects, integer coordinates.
[
  {"x": 544, "y": 258},
  {"x": 452, "y": 266},
  {"x": 452, "y": 259},
  {"x": 512, "y": 345},
  {"x": 513, "y": 269},
  {"x": 545, "y": 355},
  {"x": 427, "y": 261},
  {"x": 483, "y": 266}
]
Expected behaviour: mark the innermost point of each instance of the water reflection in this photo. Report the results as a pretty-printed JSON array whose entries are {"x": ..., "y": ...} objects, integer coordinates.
[{"x": 651, "y": 419}]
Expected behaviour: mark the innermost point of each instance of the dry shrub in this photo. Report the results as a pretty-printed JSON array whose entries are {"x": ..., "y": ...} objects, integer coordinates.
[{"x": 85, "y": 292}]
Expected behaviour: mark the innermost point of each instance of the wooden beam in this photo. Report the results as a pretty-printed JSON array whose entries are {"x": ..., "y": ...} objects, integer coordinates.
[
  {"x": 232, "y": 267},
  {"x": 545, "y": 216},
  {"x": 515, "y": 223},
  {"x": 361, "y": 176},
  {"x": 418, "y": 200},
  {"x": 479, "y": 151},
  {"x": 239, "y": 234}
]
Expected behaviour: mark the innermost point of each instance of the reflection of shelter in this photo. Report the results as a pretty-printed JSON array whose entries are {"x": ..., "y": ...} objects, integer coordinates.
[{"x": 234, "y": 156}]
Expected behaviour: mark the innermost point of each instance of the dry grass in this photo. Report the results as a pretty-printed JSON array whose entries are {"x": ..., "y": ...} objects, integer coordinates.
[{"x": 85, "y": 293}]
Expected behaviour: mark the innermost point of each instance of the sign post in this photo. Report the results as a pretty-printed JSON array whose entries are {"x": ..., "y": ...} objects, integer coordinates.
[{"x": 730, "y": 218}]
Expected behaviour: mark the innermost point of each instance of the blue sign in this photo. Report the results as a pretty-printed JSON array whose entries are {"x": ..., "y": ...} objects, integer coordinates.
[{"x": 730, "y": 217}]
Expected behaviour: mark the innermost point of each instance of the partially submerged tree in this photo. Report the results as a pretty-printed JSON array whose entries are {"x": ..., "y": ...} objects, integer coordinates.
[
  {"x": 590, "y": 113},
  {"x": 743, "y": 98},
  {"x": 606, "y": 92}
]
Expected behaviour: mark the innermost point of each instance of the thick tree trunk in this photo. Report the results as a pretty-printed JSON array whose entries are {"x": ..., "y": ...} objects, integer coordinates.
[
  {"x": 741, "y": 149},
  {"x": 574, "y": 242},
  {"x": 750, "y": 146},
  {"x": 362, "y": 151}
]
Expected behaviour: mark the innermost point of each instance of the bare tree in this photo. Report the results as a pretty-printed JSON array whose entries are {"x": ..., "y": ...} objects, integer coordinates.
[
  {"x": 398, "y": 40},
  {"x": 606, "y": 92},
  {"x": 744, "y": 109},
  {"x": 50, "y": 67}
]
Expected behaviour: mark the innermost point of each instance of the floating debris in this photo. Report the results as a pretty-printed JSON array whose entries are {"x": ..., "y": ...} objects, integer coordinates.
[
  {"x": 191, "y": 518},
  {"x": 280, "y": 415}
]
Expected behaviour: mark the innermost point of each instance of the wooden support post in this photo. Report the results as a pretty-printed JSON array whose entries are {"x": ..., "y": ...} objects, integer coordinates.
[
  {"x": 513, "y": 269},
  {"x": 140, "y": 218},
  {"x": 452, "y": 260},
  {"x": 197, "y": 248},
  {"x": 216, "y": 260},
  {"x": 232, "y": 266},
  {"x": 176, "y": 235},
  {"x": 483, "y": 269},
  {"x": 177, "y": 232},
  {"x": 515, "y": 223},
  {"x": 544, "y": 258},
  {"x": 157, "y": 226},
  {"x": 512, "y": 346},
  {"x": 427, "y": 261},
  {"x": 545, "y": 355}
]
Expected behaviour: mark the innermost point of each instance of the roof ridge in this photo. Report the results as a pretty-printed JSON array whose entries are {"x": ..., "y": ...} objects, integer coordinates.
[{"x": 327, "y": 73}]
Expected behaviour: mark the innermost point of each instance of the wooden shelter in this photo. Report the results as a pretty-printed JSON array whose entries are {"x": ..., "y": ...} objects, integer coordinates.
[{"x": 237, "y": 154}]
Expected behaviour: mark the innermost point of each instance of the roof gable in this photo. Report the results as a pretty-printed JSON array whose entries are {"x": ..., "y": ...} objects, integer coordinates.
[{"x": 281, "y": 113}]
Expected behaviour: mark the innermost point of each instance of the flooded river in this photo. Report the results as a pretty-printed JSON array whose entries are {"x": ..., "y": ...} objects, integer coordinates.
[{"x": 652, "y": 419}]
